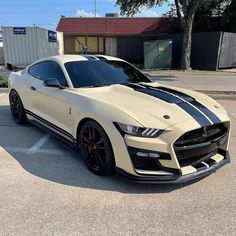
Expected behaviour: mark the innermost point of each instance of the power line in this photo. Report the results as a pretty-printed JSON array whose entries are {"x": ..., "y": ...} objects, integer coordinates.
[{"x": 95, "y": 8}]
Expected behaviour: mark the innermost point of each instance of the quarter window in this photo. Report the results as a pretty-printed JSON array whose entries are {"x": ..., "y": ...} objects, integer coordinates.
[{"x": 48, "y": 70}]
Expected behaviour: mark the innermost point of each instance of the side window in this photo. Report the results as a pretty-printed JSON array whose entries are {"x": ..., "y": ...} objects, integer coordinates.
[
  {"x": 48, "y": 70},
  {"x": 35, "y": 71}
]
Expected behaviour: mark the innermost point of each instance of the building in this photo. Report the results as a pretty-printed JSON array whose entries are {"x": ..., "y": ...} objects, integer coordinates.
[
  {"x": 115, "y": 36},
  {"x": 155, "y": 42}
]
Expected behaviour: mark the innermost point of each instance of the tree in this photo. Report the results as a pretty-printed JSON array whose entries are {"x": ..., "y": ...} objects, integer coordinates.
[
  {"x": 229, "y": 17},
  {"x": 185, "y": 11},
  {"x": 210, "y": 16}
]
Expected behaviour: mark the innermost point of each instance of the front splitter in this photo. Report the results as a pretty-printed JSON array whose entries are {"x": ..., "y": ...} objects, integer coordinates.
[{"x": 174, "y": 179}]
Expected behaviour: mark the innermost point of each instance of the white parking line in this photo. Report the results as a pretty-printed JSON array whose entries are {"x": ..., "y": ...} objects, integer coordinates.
[
  {"x": 38, "y": 144},
  {"x": 41, "y": 151}
]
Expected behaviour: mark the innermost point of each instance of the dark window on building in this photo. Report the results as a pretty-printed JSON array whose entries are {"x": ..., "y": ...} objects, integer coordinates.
[{"x": 48, "y": 70}]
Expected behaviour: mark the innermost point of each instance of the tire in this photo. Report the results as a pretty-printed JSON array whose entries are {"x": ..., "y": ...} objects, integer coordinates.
[
  {"x": 96, "y": 149},
  {"x": 17, "y": 108}
]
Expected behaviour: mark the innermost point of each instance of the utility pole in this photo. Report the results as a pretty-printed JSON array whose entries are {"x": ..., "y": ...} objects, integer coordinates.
[{"x": 95, "y": 8}]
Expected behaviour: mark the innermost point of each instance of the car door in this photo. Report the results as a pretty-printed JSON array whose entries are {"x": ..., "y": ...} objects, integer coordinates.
[{"x": 49, "y": 104}]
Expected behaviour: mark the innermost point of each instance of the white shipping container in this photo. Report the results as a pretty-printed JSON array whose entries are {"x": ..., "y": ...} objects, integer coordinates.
[
  {"x": 24, "y": 45},
  {"x": 1, "y": 54}
]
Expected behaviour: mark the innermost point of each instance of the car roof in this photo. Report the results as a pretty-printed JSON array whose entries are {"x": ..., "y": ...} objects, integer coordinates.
[{"x": 82, "y": 57}]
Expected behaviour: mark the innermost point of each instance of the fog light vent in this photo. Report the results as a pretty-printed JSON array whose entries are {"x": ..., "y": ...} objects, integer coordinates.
[
  {"x": 147, "y": 159},
  {"x": 148, "y": 154}
]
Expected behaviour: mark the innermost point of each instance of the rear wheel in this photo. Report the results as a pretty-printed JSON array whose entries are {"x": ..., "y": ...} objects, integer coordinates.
[
  {"x": 17, "y": 108},
  {"x": 96, "y": 149}
]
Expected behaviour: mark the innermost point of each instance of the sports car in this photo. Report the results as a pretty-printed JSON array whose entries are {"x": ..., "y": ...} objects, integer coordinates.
[{"x": 120, "y": 121}]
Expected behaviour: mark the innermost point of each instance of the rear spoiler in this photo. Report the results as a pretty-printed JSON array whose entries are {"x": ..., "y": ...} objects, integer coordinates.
[{"x": 14, "y": 67}]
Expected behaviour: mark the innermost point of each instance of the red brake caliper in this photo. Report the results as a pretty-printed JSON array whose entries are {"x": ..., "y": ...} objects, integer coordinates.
[{"x": 90, "y": 149}]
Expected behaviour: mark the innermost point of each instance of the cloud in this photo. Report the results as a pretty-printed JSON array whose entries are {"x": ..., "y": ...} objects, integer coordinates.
[
  {"x": 83, "y": 13},
  {"x": 147, "y": 13}
]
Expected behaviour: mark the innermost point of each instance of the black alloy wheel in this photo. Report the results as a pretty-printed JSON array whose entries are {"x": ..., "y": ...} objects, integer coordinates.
[
  {"x": 96, "y": 149},
  {"x": 17, "y": 108}
]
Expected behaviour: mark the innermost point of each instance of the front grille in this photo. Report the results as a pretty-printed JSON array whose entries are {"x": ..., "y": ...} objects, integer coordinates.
[{"x": 199, "y": 145}]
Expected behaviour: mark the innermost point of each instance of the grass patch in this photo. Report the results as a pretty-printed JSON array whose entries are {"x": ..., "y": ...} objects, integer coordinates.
[{"x": 3, "y": 82}]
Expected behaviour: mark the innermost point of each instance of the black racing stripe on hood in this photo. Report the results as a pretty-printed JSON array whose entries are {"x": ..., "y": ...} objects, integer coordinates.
[
  {"x": 134, "y": 86},
  {"x": 201, "y": 119},
  {"x": 207, "y": 112},
  {"x": 154, "y": 93},
  {"x": 167, "y": 97},
  {"x": 184, "y": 96},
  {"x": 195, "y": 103}
]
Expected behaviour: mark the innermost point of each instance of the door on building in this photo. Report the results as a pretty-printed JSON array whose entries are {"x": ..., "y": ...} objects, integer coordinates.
[
  {"x": 111, "y": 46},
  {"x": 69, "y": 45},
  {"x": 158, "y": 54}
]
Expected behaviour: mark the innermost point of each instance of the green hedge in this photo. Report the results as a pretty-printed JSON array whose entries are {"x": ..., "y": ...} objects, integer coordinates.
[{"x": 3, "y": 82}]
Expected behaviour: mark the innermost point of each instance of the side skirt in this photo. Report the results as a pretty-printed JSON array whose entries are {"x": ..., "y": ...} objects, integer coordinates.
[{"x": 53, "y": 130}]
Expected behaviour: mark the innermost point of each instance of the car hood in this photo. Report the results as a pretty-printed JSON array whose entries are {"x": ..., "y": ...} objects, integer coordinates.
[{"x": 156, "y": 106}]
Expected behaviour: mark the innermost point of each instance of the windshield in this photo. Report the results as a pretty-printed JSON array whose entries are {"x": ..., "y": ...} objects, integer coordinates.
[{"x": 102, "y": 72}]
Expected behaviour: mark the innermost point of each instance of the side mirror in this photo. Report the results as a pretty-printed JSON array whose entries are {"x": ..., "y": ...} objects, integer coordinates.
[{"x": 54, "y": 83}]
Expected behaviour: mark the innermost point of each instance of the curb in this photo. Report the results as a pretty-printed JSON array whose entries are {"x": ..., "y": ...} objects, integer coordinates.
[
  {"x": 217, "y": 92},
  {"x": 220, "y": 95},
  {"x": 4, "y": 90},
  {"x": 189, "y": 72},
  {"x": 196, "y": 73}
]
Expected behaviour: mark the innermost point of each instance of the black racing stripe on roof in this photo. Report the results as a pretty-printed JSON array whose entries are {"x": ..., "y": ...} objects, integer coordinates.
[
  {"x": 90, "y": 57},
  {"x": 101, "y": 58}
]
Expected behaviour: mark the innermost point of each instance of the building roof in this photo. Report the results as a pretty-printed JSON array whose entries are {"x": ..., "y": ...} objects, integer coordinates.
[{"x": 117, "y": 26}]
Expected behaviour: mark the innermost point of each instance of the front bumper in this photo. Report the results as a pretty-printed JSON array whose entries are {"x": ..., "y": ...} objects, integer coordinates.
[{"x": 176, "y": 178}]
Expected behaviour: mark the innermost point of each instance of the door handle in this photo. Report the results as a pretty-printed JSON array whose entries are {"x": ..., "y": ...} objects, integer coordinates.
[{"x": 33, "y": 88}]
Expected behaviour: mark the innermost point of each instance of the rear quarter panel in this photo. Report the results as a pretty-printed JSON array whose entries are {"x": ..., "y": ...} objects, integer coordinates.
[{"x": 18, "y": 82}]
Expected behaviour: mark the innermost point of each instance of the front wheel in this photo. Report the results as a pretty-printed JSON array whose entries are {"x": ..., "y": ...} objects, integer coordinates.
[
  {"x": 17, "y": 108},
  {"x": 96, "y": 149}
]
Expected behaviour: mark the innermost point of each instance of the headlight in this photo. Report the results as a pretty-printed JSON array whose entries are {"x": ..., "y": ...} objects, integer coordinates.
[{"x": 138, "y": 131}]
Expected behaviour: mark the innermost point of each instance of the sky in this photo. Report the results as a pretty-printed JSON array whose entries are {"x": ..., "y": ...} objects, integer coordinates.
[{"x": 46, "y": 13}]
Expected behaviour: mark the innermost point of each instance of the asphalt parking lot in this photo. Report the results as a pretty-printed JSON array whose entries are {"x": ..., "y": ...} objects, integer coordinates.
[{"x": 45, "y": 189}]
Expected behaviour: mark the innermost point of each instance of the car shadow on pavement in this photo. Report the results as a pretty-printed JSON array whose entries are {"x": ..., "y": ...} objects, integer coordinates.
[
  {"x": 70, "y": 170},
  {"x": 61, "y": 164}
]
